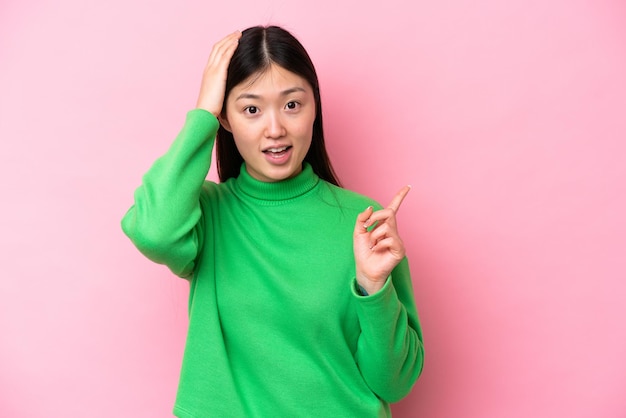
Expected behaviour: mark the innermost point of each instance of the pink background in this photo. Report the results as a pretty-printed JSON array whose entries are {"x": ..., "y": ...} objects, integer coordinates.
[{"x": 507, "y": 117}]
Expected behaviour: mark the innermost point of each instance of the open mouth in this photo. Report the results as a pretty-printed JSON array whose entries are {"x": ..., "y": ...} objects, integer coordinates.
[{"x": 277, "y": 152}]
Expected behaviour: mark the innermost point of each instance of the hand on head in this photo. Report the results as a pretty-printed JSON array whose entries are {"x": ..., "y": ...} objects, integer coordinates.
[{"x": 212, "y": 90}]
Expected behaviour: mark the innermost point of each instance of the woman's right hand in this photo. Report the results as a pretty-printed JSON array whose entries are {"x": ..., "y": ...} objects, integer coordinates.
[{"x": 212, "y": 90}]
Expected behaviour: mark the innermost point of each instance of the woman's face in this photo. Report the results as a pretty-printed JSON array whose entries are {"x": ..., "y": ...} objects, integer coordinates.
[{"x": 271, "y": 117}]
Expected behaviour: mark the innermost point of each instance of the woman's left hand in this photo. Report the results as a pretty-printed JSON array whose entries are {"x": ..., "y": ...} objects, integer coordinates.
[{"x": 379, "y": 249}]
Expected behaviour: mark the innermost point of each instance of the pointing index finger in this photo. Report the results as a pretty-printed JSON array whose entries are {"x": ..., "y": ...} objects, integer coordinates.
[{"x": 398, "y": 198}]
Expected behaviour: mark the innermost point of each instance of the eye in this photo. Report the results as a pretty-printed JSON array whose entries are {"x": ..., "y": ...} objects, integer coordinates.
[
  {"x": 251, "y": 110},
  {"x": 292, "y": 105}
]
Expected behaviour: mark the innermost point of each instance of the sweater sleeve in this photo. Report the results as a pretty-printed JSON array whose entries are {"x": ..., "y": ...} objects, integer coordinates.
[
  {"x": 164, "y": 221},
  {"x": 390, "y": 350}
]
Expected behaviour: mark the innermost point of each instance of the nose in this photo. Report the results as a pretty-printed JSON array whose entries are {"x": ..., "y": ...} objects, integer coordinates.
[{"x": 274, "y": 127}]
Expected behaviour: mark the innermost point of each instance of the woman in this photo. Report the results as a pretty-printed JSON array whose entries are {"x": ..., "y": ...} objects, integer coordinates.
[{"x": 300, "y": 301}]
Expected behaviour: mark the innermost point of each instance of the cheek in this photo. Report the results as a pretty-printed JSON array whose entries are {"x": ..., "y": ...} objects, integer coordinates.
[
  {"x": 242, "y": 131},
  {"x": 244, "y": 141},
  {"x": 305, "y": 127}
]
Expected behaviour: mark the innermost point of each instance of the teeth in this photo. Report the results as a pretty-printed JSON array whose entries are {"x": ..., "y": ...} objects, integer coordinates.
[{"x": 281, "y": 149}]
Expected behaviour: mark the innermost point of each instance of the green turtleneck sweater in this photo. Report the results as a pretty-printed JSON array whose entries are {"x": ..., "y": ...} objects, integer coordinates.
[{"x": 276, "y": 327}]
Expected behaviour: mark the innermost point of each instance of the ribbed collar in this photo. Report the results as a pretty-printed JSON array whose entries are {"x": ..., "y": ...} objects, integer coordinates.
[{"x": 275, "y": 192}]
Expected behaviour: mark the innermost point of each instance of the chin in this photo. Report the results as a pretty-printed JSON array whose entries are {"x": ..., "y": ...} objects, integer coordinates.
[{"x": 276, "y": 173}]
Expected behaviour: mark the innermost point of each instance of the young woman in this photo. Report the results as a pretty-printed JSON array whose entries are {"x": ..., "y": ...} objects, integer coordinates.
[{"x": 300, "y": 301}]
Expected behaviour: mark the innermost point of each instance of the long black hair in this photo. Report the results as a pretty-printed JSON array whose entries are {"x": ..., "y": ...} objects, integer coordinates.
[{"x": 259, "y": 47}]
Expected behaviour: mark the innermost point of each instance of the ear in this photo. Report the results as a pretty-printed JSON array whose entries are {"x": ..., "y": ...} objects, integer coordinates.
[{"x": 224, "y": 122}]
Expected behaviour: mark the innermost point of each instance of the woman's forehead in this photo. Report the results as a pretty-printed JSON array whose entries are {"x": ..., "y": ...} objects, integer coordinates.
[{"x": 273, "y": 79}]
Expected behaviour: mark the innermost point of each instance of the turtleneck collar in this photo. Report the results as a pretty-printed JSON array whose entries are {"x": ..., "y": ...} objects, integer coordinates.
[{"x": 274, "y": 192}]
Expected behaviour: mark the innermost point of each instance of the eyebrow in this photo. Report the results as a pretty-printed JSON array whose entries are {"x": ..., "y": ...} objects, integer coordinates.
[{"x": 282, "y": 93}]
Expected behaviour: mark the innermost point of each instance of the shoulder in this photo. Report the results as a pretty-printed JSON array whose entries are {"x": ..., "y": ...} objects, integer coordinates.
[
  {"x": 346, "y": 198},
  {"x": 210, "y": 187},
  {"x": 216, "y": 192}
]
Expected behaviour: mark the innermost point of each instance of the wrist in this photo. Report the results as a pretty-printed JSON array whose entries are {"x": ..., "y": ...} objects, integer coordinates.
[{"x": 368, "y": 286}]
